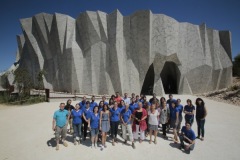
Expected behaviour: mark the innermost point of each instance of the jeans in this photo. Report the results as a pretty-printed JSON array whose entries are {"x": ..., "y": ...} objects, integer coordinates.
[
  {"x": 182, "y": 140},
  {"x": 77, "y": 130},
  {"x": 125, "y": 129},
  {"x": 200, "y": 126},
  {"x": 114, "y": 129}
]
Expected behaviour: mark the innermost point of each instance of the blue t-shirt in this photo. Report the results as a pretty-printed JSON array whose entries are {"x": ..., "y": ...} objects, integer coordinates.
[
  {"x": 169, "y": 102},
  {"x": 121, "y": 108},
  {"x": 61, "y": 117},
  {"x": 82, "y": 105},
  {"x": 105, "y": 103},
  {"x": 180, "y": 108},
  {"x": 92, "y": 105},
  {"x": 188, "y": 133},
  {"x": 87, "y": 113},
  {"x": 115, "y": 114},
  {"x": 173, "y": 113},
  {"x": 94, "y": 120},
  {"x": 189, "y": 109},
  {"x": 100, "y": 109},
  {"x": 133, "y": 106},
  {"x": 125, "y": 115},
  {"x": 77, "y": 116}
]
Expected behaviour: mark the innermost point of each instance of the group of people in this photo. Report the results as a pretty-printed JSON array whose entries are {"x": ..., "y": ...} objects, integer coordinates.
[{"x": 134, "y": 116}]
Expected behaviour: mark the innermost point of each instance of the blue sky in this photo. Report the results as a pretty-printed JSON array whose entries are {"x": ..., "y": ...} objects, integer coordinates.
[{"x": 217, "y": 14}]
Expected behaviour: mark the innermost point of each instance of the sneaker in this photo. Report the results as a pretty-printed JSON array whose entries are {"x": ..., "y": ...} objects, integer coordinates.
[
  {"x": 57, "y": 147},
  {"x": 202, "y": 139},
  {"x": 150, "y": 141},
  {"x": 113, "y": 143},
  {"x": 65, "y": 144},
  {"x": 102, "y": 147},
  {"x": 92, "y": 146},
  {"x": 125, "y": 142},
  {"x": 133, "y": 146}
]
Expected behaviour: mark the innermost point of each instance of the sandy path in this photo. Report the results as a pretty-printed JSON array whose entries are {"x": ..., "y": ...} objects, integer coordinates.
[{"x": 26, "y": 135}]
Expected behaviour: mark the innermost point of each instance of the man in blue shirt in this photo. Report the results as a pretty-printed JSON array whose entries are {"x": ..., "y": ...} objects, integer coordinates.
[
  {"x": 104, "y": 100},
  {"x": 83, "y": 103},
  {"x": 180, "y": 109},
  {"x": 87, "y": 112},
  {"x": 187, "y": 135},
  {"x": 59, "y": 124},
  {"x": 169, "y": 102},
  {"x": 126, "y": 124},
  {"x": 93, "y": 103}
]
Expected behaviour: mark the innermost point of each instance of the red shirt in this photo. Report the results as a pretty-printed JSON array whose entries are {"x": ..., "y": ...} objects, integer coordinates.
[{"x": 118, "y": 99}]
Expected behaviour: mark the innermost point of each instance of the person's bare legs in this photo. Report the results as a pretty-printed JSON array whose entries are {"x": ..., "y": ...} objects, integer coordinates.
[
  {"x": 155, "y": 137},
  {"x": 150, "y": 133},
  {"x": 95, "y": 143},
  {"x": 175, "y": 135}
]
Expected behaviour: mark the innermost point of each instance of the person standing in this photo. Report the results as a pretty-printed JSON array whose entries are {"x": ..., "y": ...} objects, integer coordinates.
[
  {"x": 126, "y": 99},
  {"x": 187, "y": 135},
  {"x": 76, "y": 115},
  {"x": 114, "y": 122},
  {"x": 153, "y": 116},
  {"x": 189, "y": 111},
  {"x": 104, "y": 124},
  {"x": 69, "y": 108},
  {"x": 126, "y": 125},
  {"x": 93, "y": 103},
  {"x": 180, "y": 117},
  {"x": 169, "y": 102},
  {"x": 154, "y": 98},
  {"x": 164, "y": 117},
  {"x": 82, "y": 104},
  {"x": 118, "y": 98},
  {"x": 201, "y": 113},
  {"x": 139, "y": 123},
  {"x": 59, "y": 124},
  {"x": 93, "y": 124},
  {"x": 87, "y": 112},
  {"x": 174, "y": 121}
]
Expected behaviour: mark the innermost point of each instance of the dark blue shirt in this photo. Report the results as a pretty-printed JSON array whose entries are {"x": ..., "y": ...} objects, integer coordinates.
[
  {"x": 77, "y": 116},
  {"x": 94, "y": 120},
  {"x": 125, "y": 115},
  {"x": 169, "y": 102},
  {"x": 87, "y": 113},
  {"x": 115, "y": 114},
  {"x": 133, "y": 106},
  {"x": 188, "y": 133},
  {"x": 105, "y": 103},
  {"x": 189, "y": 109},
  {"x": 82, "y": 105}
]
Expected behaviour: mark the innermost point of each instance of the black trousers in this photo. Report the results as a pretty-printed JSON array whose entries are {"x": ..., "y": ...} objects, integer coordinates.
[
  {"x": 114, "y": 129},
  {"x": 84, "y": 128},
  {"x": 164, "y": 126}
]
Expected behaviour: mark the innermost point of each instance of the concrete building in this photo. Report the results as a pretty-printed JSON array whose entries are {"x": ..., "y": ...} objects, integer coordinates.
[{"x": 100, "y": 53}]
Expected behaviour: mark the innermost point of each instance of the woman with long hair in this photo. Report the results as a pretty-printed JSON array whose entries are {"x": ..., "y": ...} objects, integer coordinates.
[
  {"x": 189, "y": 111},
  {"x": 201, "y": 113},
  {"x": 104, "y": 124},
  {"x": 93, "y": 124}
]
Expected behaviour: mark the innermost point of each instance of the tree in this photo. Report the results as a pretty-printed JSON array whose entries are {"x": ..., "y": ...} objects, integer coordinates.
[
  {"x": 236, "y": 66},
  {"x": 40, "y": 80},
  {"x": 23, "y": 81}
]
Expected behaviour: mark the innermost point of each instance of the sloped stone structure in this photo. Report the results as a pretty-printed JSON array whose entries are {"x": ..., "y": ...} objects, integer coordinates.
[{"x": 102, "y": 53}]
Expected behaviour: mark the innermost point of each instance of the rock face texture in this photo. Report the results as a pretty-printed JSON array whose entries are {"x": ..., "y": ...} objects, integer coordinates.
[{"x": 100, "y": 53}]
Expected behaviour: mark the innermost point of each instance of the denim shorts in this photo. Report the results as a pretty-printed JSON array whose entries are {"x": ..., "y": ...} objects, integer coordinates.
[{"x": 94, "y": 132}]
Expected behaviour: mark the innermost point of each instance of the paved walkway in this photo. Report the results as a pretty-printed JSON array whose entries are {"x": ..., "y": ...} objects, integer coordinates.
[{"x": 26, "y": 135}]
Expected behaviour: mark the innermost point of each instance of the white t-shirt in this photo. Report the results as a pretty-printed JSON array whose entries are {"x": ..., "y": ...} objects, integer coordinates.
[{"x": 152, "y": 118}]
